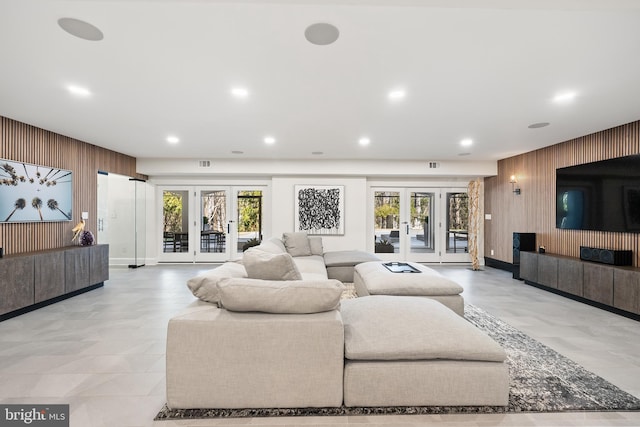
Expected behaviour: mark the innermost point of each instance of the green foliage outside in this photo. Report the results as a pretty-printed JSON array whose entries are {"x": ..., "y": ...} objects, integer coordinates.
[
  {"x": 172, "y": 212},
  {"x": 249, "y": 210}
]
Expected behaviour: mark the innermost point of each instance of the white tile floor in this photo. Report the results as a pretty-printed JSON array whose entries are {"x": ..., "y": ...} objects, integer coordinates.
[{"x": 103, "y": 352}]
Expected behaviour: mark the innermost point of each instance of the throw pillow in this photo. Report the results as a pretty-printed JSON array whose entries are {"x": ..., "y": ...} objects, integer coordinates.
[
  {"x": 268, "y": 266},
  {"x": 281, "y": 297},
  {"x": 297, "y": 244},
  {"x": 204, "y": 286},
  {"x": 315, "y": 243}
]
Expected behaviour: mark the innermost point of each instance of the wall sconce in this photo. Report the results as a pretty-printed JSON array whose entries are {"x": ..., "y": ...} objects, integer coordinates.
[{"x": 514, "y": 184}]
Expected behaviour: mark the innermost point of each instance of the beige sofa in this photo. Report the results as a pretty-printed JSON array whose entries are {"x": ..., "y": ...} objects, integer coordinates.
[{"x": 258, "y": 342}]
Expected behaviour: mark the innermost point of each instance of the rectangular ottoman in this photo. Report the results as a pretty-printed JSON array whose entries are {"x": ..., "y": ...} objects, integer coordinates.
[
  {"x": 373, "y": 278},
  {"x": 404, "y": 351}
]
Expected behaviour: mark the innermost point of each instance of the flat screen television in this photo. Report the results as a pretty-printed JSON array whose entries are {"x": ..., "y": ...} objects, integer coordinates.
[
  {"x": 603, "y": 196},
  {"x": 34, "y": 193}
]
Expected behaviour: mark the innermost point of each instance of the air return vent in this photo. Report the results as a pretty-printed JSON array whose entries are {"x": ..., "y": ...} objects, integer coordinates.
[
  {"x": 205, "y": 163},
  {"x": 433, "y": 165}
]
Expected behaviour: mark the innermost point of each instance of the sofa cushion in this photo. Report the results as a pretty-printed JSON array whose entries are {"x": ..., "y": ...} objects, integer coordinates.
[
  {"x": 268, "y": 266},
  {"x": 297, "y": 244},
  {"x": 315, "y": 244},
  {"x": 277, "y": 296},
  {"x": 204, "y": 286},
  {"x": 273, "y": 245},
  {"x": 311, "y": 267},
  {"x": 381, "y": 327}
]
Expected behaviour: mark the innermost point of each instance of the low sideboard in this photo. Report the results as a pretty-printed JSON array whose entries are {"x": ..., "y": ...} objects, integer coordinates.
[
  {"x": 610, "y": 287},
  {"x": 32, "y": 280}
]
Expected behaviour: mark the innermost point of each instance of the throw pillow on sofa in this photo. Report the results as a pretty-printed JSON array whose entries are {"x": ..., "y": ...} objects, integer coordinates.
[
  {"x": 204, "y": 286},
  {"x": 280, "y": 297},
  {"x": 297, "y": 244},
  {"x": 315, "y": 243},
  {"x": 268, "y": 266},
  {"x": 273, "y": 245}
]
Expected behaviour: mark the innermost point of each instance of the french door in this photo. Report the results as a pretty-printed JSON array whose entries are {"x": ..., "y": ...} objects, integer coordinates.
[
  {"x": 210, "y": 224},
  {"x": 421, "y": 224}
]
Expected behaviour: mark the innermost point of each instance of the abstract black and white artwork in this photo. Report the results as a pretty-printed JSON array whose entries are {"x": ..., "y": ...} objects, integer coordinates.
[{"x": 320, "y": 209}]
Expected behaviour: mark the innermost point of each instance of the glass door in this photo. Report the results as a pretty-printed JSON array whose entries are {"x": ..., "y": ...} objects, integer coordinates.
[
  {"x": 456, "y": 230},
  {"x": 175, "y": 230},
  {"x": 214, "y": 226},
  {"x": 210, "y": 224},
  {"x": 422, "y": 240},
  {"x": 421, "y": 225},
  {"x": 248, "y": 216}
]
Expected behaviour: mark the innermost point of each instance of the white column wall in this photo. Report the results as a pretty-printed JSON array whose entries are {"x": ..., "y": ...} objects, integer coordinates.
[{"x": 355, "y": 209}]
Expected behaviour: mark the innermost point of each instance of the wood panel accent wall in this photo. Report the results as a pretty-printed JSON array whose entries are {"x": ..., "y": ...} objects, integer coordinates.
[
  {"x": 534, "y": 210},
  {"x": 25, "y": 143}
]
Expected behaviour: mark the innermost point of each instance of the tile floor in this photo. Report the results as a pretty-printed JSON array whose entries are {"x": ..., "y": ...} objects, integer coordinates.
[{"x": 103, "y": 352}]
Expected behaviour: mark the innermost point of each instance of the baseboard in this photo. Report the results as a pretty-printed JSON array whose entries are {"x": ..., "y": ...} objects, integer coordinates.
[
  {"x": 36, "y": 306},
  {"x": 500, "y": 265}
]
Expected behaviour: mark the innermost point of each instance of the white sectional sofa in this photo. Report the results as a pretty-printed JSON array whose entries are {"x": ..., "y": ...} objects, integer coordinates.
[{"x": 272, "y": 332}]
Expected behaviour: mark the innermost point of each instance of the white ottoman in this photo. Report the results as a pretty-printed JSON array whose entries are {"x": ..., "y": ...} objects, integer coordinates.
[
  {"x": 404, "y": 351},
  {"x": 373, "y": 278}
]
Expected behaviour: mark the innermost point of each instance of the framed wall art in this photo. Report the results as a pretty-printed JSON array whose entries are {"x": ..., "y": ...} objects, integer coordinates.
[
  {"x": 319, "y": 209},
  {"x": 31, "y": 193}
]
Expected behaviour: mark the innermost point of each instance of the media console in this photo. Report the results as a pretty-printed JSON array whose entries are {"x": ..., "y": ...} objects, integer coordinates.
[
  {"x": 610, "y": 287},
  {"x": 32, "y": 280}
]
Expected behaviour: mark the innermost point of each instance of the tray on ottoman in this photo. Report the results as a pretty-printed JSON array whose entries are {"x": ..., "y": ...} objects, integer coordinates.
[{"x": 374, "y": 278}]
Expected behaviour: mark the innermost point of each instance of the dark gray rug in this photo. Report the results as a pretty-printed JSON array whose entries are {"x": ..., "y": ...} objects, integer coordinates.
[{"x": 541, "y": 381}]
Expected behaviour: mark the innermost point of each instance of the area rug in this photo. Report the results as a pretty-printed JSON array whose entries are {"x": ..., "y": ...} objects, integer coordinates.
[{"x": 542, "y": 380}]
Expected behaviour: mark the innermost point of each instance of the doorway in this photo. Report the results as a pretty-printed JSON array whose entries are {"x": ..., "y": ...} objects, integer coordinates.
[
  {"x": 210, "y": 224},
  {"x": 421, "y": 224}
]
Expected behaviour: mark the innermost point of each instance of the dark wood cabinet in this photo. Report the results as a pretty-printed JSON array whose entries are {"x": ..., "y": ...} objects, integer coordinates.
[
  {"x": 570, "y": 276},
  {"x": 598, "y": 283},
  {"x": 48, "y": 275},
  {"x": 76, "y": 269},
  {"x": 529, "y": 266},
  {"x": 29, "y": 281},
  {"x": 548, "y": 271},
  {"x": 16, "y": 283},
  {"x": 611, "y": 287},
  {"x": 626, "y": 290}
]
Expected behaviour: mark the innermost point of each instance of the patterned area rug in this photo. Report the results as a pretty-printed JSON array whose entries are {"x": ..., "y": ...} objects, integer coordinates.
[{"x": 541, "y": 381}]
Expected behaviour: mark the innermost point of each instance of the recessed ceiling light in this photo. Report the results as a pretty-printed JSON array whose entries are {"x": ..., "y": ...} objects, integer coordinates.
[
  {"x": 364, "y": 141},
  {"x": 79, "y": 90},
  {"x": 172, "y": 139},
  {"x": 237, "y": 152},
  {"x": 467, "y": 142},
  {"x": 240, "y": 92},
  {"x": 538, "y": 125},
  {"x": 269, "y": 140},
  {"x": 317, "y": 153},
  {"x": 321, "y": 33},
  {"x": 80, "y": 29},
  {"x": 564, "y": 97},
  {"x": 397, "y": 94},
  {"x": 463, "y": 154}
]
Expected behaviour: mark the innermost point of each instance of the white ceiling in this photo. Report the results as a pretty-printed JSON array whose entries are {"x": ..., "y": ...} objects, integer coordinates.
[{"x": 479, "y": 69}]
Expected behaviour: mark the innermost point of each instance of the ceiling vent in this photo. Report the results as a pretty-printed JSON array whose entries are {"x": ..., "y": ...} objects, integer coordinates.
[
  {"x": 205, "y": 163},
  {"x": 433, "y": 165}
]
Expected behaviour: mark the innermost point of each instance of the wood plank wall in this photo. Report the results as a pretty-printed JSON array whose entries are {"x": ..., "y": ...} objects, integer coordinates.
[
  {"x": 25, "y": 143},
  {"x": 534, "y": 210}
]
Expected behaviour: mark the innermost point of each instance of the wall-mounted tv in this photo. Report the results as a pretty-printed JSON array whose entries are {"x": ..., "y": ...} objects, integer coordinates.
[
  {"x": 34, "y": 193},
  {"x": 603, "y": 196}
]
